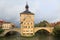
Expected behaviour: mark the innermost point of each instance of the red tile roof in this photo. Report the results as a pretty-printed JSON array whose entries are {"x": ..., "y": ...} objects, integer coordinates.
[{"x": 1, "y": 21}]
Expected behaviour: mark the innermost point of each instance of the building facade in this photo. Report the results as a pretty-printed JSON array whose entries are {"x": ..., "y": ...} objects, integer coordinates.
[
  {"x": 27, "y": 22},
  {"x": 7, "y": 25}
]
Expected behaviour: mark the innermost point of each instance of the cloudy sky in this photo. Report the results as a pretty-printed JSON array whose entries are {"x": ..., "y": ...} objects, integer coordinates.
[{"x": 43, "y": 9}]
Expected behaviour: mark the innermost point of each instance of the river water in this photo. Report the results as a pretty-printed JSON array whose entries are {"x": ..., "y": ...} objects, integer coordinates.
[{"x": 37, "y": 37}]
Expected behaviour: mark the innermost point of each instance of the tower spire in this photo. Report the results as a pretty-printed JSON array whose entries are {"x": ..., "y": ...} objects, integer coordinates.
[{"x": 27, "y": 7}]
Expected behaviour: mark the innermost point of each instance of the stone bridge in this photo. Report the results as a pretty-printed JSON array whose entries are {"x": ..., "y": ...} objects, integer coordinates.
[
  {"x": 9, "y": 30},
  {"x": 49, "y": 29}
]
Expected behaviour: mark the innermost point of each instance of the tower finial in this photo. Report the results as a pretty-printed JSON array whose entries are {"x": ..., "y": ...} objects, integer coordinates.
[{"x": 26, "y": 6}]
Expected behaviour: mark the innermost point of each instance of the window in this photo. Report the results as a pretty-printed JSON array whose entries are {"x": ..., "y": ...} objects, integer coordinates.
[
  {"x": 27, "y": 33},
  {"x": 28, "y": 23},
  {"x": 31, "y": 26},
  {"x": 27, "y": 30},
  {"x": 25, "y": 26},
  {"x": 23, "y": 33},
  {"x": 28, "y": 26},
  {"x": 31, "y": 33},
  {"x": 31, "y": 23}
]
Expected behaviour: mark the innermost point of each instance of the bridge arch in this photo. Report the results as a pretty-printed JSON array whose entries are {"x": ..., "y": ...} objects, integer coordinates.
[
  {"x": 43, "y": 28},
  {"x": 44, "y": 31},
  {"x": 14, "y": 30}
]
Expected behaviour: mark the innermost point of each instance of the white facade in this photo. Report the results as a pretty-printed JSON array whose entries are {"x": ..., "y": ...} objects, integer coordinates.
[{"x": 7, "y": 26}]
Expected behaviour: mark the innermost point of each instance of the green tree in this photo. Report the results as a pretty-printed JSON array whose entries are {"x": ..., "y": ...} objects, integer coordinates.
[
  {"x": 1, "y": 30},
  {"x": 56, "y": 30},
  {"x": 43, "y": 24},
  {"x": 36, "y": 25}
]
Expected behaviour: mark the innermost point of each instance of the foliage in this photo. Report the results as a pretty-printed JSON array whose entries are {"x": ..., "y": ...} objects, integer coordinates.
[
  {"x": 43, "y": 24},
  {"x": 56, "y": 30},
  {"x": 36, "y": 25},
  {"x": 1, "y": 30}
]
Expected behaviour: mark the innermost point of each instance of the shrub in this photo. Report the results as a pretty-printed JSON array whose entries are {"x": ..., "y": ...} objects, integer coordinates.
[
  {"x": 56, "y": 30},
  {"x": 1, "y": 30}
]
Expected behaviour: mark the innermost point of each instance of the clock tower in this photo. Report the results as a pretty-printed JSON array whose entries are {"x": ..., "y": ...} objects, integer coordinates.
[{"x": 27, "y": 22}]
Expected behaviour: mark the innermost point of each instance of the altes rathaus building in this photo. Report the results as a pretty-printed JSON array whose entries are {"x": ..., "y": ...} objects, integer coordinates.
[{"x": 27, "y": 22}]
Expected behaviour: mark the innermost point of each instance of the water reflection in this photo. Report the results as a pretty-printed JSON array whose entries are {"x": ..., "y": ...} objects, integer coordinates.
[
  {"x": 36, "y": 37},
  {"x": 56, "y": 37}
]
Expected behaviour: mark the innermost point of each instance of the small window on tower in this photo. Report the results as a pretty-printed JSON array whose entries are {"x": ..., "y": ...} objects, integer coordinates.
[
  {"x": 23, "y": 33},
  {"x": 31, "y": 26},
  {"x": 28, "y": 26},
  {"x": 31, "y": 23},
  {"x": 28, "y": 23},
  {"x": 27, "y": 30},
  {"x": 25, "y": 26},
  {"x": 27, "y": 33},
  {"x": 31, "y": 33}
]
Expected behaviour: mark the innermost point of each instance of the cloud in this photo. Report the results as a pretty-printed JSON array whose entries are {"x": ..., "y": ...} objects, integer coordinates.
[{"x": 43, "y": 9}]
